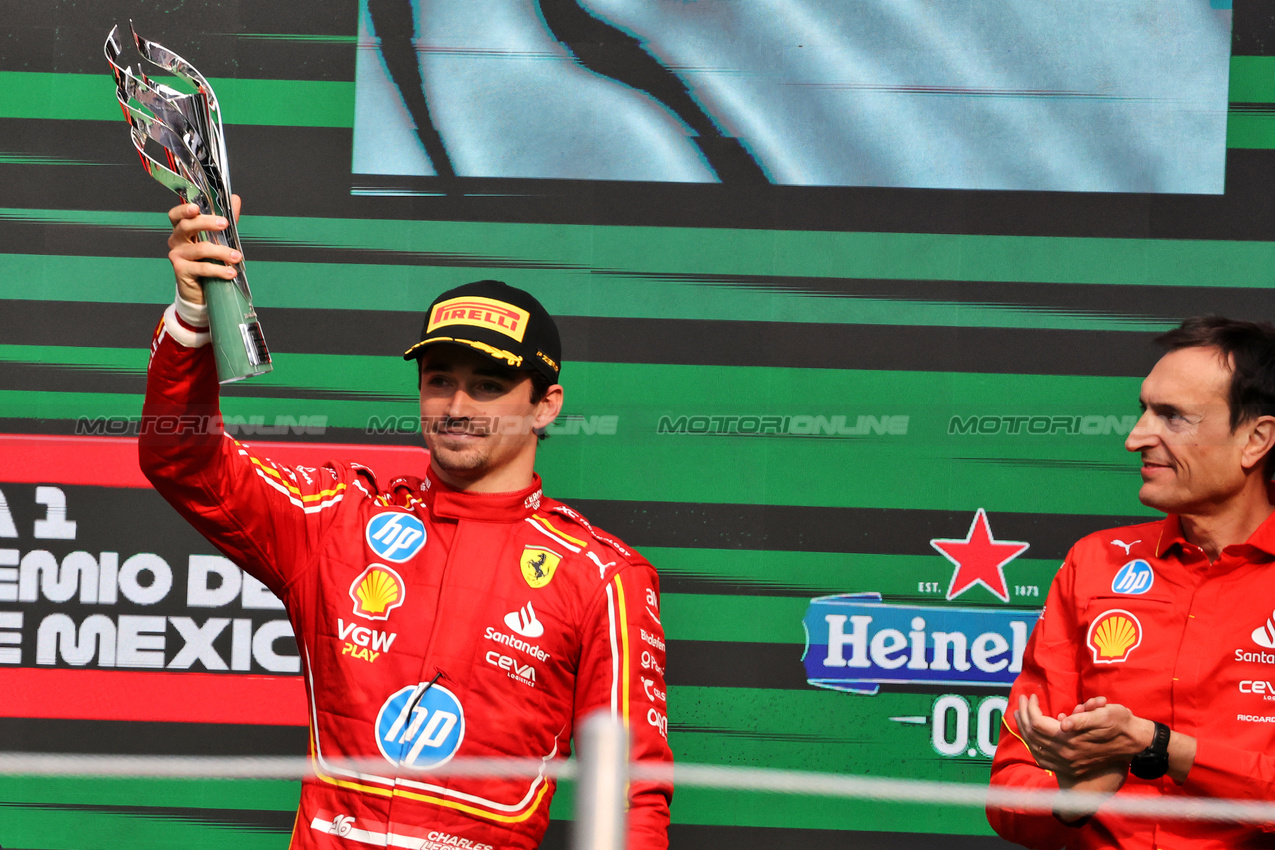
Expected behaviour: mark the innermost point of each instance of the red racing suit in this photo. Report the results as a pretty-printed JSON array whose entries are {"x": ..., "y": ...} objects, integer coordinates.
[
  {"x": 1140, "y": 616},
  {"x": 431, "y": 623}
]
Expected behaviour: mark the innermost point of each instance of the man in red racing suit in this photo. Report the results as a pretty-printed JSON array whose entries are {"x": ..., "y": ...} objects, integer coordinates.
[{"x": 432, "y": 622}]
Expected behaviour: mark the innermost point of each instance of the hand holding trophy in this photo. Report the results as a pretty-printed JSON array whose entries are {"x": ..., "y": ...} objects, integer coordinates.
[{"x": 188, "y": 127}]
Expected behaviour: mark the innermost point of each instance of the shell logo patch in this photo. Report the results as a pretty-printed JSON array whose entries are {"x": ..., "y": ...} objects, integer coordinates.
[
  {"x": 376, "y": 592},
  {"x": 538, "y": 565},
  {"x": 1113, "y": 636}
]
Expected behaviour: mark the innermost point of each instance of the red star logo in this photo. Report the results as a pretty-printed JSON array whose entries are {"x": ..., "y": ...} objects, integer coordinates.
[{"x": 979, "y": 558}]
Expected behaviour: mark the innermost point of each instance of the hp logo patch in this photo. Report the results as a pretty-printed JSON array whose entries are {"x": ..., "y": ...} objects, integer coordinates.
[
  {"x": 1135, "y": 578},
  {"x": 395, "y": 536},
  {"x": 420, "y": 726}
]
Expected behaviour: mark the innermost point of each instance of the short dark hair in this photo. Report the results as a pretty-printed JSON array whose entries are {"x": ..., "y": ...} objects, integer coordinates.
[
  {"x": 539, "y": 386},
  {"x": 1249, "y": 348}
]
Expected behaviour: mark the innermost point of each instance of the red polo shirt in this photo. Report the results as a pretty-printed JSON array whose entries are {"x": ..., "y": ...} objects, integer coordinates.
[{"x": 1140, "y": 616}]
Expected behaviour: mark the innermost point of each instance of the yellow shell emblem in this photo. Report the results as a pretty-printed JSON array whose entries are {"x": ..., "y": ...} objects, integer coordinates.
[
  {"x": 538, "y": 565},
  {"x": 1113, "y": 636},
  {"x": 376, "y": 592}
]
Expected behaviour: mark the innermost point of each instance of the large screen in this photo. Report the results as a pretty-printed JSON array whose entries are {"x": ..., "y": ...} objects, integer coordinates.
[{"x": 1008, "y": 94}]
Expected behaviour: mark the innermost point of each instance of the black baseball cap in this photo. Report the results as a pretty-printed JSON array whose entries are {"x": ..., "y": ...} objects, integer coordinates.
[{"x": 508, "y": 325}]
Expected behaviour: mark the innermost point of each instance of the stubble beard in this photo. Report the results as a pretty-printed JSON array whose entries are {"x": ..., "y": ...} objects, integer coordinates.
[
  {"x": 465, "y": 462},
  {"x": 469, "y": 461},
  {"x": 462, "y": 462}
]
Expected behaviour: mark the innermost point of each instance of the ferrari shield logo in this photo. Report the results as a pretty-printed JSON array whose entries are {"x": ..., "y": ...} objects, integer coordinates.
[{"x": 538, "y": 565}]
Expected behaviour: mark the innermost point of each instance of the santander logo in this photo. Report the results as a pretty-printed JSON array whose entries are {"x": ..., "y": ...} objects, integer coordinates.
[
  {"x": 524, "y": 622},
  {"x": 1264, "y": 635}
]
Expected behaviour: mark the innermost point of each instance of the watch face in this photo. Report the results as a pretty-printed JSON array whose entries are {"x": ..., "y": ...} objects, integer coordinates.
[{"x": 1149, "y": 765}]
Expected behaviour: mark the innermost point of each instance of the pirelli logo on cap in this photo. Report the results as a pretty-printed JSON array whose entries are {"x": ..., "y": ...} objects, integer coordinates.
[{"x": 480, "y": 313}]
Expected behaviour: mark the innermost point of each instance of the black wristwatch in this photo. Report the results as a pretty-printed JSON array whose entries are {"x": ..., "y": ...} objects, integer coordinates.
[{"x": 1153, "y": 762}]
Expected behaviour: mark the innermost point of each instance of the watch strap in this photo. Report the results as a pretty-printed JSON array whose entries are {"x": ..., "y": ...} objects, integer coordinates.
[{"x": 1153, "y": 762}]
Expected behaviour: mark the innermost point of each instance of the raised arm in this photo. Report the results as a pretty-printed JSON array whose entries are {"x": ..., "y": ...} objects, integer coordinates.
[{"x": 263, "y": 516}]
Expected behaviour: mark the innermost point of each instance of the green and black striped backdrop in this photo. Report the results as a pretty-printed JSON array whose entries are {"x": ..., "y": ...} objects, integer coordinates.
[{"x": 674, "y": 301}]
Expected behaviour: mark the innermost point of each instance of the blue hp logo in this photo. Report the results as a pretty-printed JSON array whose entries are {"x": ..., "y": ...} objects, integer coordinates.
[
  {"x": 1135, "y": 577},
  {"x": 420, "y": 726},
  {"x": 394, "y": 536}
]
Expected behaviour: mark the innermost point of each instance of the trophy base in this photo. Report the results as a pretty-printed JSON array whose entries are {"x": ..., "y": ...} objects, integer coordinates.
[{"x": 238, "y": 344}]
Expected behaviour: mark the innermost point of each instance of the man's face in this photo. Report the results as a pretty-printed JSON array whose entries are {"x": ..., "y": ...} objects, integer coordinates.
[
  {"x": 478, "y": 419},
  {"x": 1191, "y": 459}
]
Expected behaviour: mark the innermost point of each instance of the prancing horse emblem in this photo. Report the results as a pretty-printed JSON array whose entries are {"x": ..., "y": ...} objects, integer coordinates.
[{"x": 538, "y": 565}]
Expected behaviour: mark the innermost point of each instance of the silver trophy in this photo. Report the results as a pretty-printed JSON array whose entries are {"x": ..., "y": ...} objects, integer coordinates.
[{"x": 187, "y": 126}]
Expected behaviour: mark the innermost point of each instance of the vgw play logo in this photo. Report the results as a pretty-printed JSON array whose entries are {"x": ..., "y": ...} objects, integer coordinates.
[{"x": 856, "y": 643}]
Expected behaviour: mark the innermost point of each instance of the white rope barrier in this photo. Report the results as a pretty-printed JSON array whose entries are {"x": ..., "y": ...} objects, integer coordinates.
[
  {"x": 263, "y": 767},
  {"x": 921, "y": 791},
  {"x": 876, "y": 789},
  {"x": 601, "y": 805}
]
